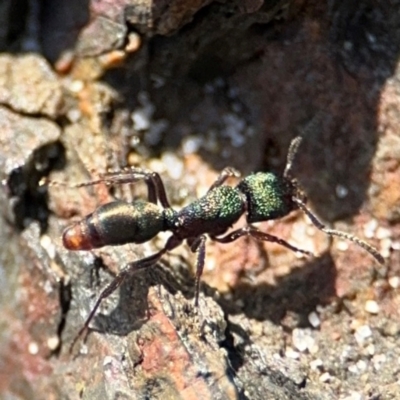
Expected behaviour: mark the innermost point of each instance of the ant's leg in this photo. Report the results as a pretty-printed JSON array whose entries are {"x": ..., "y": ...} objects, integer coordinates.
[
  {"x": 258, "y": 235},
  {"x": 333, "y": 232},
  {"x": 128, "y": 270},
  {"x": 155, "y": 186},
  {"x": 226, "y": 173},
  {"x": 199, "y": 246}
]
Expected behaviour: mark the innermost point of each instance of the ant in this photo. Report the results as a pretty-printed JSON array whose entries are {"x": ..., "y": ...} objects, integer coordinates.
[{"x": 261, "y": 196}]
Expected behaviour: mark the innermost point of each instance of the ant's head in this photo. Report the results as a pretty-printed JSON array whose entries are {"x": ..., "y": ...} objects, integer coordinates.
[{"x": 270, "y": 196}]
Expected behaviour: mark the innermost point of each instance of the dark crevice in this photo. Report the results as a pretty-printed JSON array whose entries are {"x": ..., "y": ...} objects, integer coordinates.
[
  {"x": 235, "y": 355},
  {"x": 30, "y": 198},
  {"x": 65, "y": 296},
  {"x": 23, "y": 113}
]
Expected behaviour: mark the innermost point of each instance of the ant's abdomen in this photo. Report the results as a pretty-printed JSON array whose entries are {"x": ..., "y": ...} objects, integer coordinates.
[{"x": 115, "y": 223}]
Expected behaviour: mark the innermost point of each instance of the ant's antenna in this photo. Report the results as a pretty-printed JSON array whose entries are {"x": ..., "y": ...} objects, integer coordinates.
[
  {"x": 333, "y": 232},
  {"x": 295, "y": 143},
  {"x": 294, "y": 146}
]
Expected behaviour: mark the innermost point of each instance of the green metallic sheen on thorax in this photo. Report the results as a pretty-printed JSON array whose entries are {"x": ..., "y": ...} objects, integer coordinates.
[
  {"x": 222, "y": 203},
  {"x": 215, "y": 212},
  {"x": 268, "y": 196}
]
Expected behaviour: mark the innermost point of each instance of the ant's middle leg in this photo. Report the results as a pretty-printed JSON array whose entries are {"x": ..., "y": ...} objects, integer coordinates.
[
  {"x": 258, "y": 235},
  {"x": 127, "y": 271},
  {"x": 226, "y": 173},
  {"x": 198, "y": 245}
]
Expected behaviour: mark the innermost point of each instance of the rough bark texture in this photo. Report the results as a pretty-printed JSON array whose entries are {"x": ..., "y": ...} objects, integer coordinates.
[{"x": 186, "y": 88}]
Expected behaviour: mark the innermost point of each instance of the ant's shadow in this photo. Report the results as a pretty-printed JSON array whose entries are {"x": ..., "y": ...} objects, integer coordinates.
[{"x": 297, "y": 293}]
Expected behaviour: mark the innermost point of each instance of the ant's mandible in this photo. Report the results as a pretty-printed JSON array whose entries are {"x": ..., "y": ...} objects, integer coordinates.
[{"x": 262, "y": 196}]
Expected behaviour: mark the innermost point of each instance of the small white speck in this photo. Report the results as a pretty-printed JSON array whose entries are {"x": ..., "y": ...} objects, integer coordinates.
[
  {"x": 396, "y": 245},
  {"x": 362, "y": 365},
  {"x": 371, "y": 349},
  {"x": 48, "y": 245},
  {"x": 384, "y": 247},
  {"x": 353, "y": 368},
  {"x": 354, "y": 396},
  {"x": 302, "y": 340},
  {"x": 316, "y": 364},
  {"x": 74, "y": 115},
  {"x": 173, "y": 164},
  {"x": 314, "y": 320},
  {"x": 290, "y": 353},
  {"x": 372, "y": 307},
  {"x": 45, "y": 241},
  {"x": 371, "y": 38},
  {"x": 53, "y": 342},
  {"x": 48, "y": 287},
  {"x": 33, "y": 348},
  {"x": 84, "y": 349},
  {"x": 370, "y": 228},
  {"x": 107, "y": 361},
  {"x": 135, "y": 140},
  {"x": 325, "y": 377},
  {"x": 191, "y": 145},
  {"x": 341, "y": 191},
  {"x": 341, "y": 245},
  {"x": 383, "y": 233},
  {"x": 141, "y": 117},
  {"x": 394, "y": 282},
  {"x": 76, "y": 86},
  {"x": 362, "y": 333},
  {"x": 140, "y": 120},
  {"x": 276, "y": 356}
]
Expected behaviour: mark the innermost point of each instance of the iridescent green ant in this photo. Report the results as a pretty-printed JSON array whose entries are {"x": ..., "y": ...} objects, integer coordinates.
[{"x": 261, "y": 196}]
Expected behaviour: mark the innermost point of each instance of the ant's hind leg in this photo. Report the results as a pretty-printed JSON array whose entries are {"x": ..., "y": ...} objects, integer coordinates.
[
  {"x": 258, "y": 235},
  {"x": 155, "y": 186},
  {"x": 226, "y": 173},
  {"x": 127, "y": 271}
]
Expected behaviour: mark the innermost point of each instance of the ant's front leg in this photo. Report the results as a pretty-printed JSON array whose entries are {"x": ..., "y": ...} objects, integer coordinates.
[
  {"x": 226, "y": 173},
  {"x": 258, "y": 235},
  {"x": 333, "y": 232}
]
